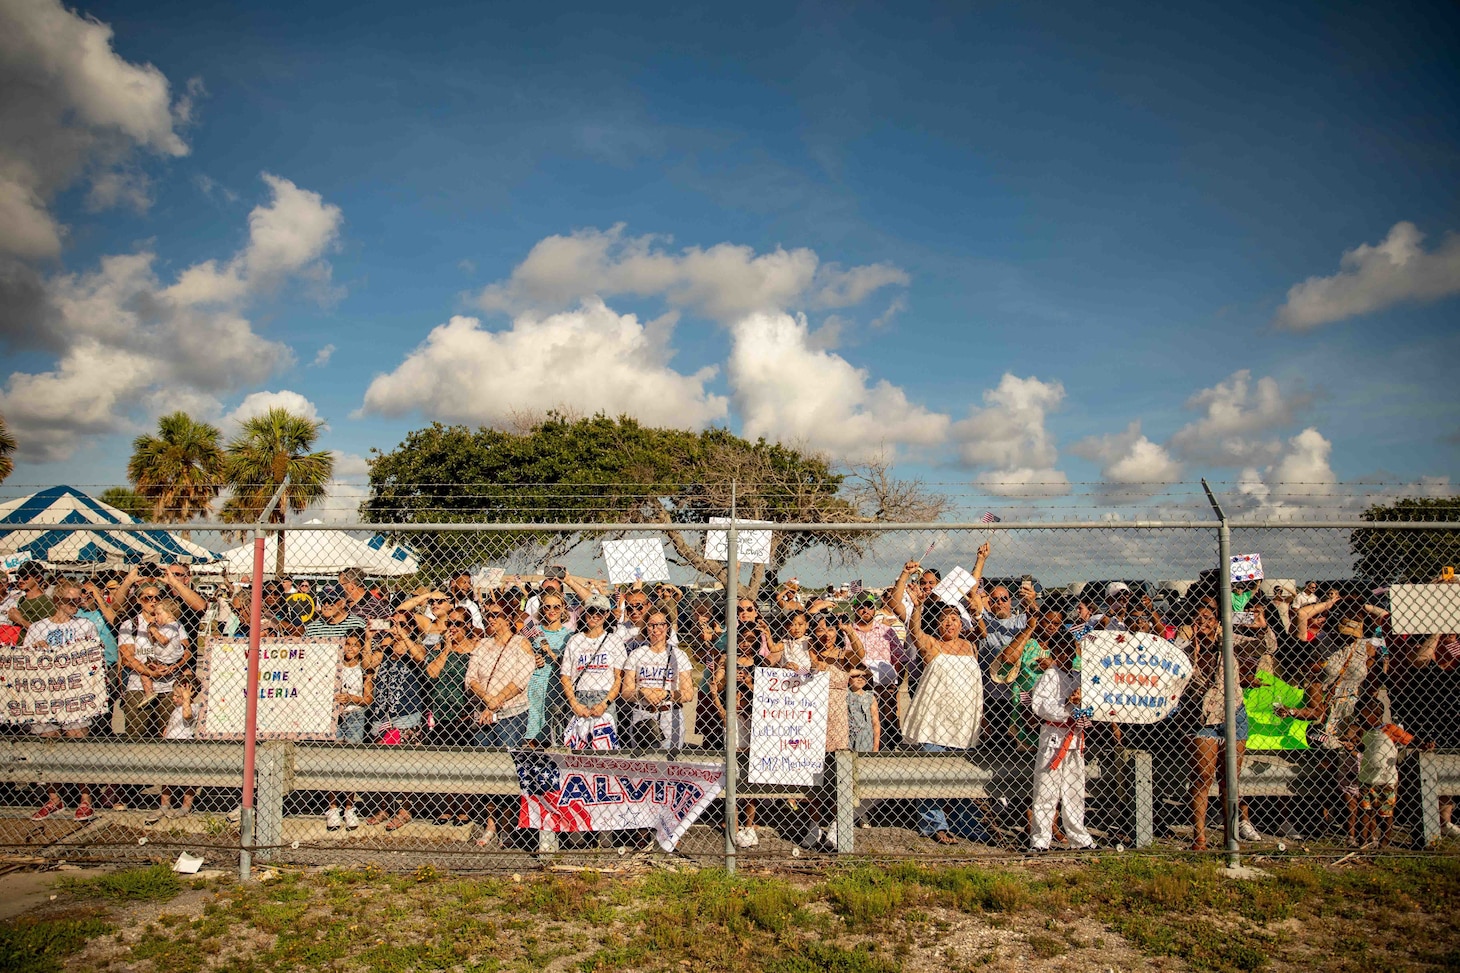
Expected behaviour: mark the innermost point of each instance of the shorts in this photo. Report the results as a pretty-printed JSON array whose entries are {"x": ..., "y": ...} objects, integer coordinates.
[
  {"x": 1219, "y": 731},
  {"x": 49, "y": 729},
  {"x": 1380, "y": 798}
]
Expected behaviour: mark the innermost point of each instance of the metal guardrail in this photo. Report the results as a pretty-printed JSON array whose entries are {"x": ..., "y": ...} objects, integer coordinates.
[{"x": 284, "y": 767}]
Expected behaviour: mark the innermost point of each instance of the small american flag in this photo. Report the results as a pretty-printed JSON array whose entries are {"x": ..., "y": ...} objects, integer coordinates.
[
  {"x": 857, "y": 587},
  {"x": 989, "y": 518}
]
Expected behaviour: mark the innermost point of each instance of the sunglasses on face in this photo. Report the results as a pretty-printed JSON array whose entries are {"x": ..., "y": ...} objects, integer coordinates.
[
  {"x": 493, "y": 615},
  {"x": 148, "y": 598},
  {"x": 456, "y": 623},
  {"x": 551, "y": 604},
  {"x": 1001, "y": 598},
  {"x": 440, "y": 601},
  {"x": 745, "y": 608},
  {"x": 658, "y": 625}
]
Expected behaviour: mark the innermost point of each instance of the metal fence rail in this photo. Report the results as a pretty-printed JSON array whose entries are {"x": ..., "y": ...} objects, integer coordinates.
[{"x": 1332, "y": 717}]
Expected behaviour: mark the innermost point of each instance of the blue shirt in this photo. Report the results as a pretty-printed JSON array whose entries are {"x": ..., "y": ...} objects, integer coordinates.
[{"x": 108, "y": 641}]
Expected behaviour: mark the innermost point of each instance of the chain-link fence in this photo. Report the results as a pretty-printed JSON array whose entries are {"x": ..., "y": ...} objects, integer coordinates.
[{"x": 470, "y": 695}]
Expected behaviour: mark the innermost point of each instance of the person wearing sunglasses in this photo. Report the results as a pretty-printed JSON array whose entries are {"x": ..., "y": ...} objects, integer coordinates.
[
  {"x": 592, "y": 678},
  {"x": 152, "y": 645},
  {"x": 33, "y": 603},
  {"x": 547, "y": 707},
  {"x": 658, "y": 680},
  {"x": 56, "y": 633},
  {"x": 497, "y": 676},
  {"x": 450, "y": 704}
]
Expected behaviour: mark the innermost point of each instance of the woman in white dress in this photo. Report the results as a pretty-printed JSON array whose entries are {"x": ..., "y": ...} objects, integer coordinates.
[{"x": 948, "y": 708}]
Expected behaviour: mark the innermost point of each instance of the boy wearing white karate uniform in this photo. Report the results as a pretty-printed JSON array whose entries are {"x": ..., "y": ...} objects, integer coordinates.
[{"x": 1059, "y": 771}]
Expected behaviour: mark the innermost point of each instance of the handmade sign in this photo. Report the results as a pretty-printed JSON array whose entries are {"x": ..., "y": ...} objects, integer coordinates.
[
  {"x": 955, "y": 586},
  {"x": 52, "y": 683},
  {"x": 12, "y": 561},
  {"x": 487, "y": 578},
  {"x": 788, "y": 727},
  {"x": 1129, "y": 677},
  {"x": 298, "y": 679},
  {"x": 635, "y": 560},
  {"x": 1245, "y": 567},
  {"x": 1424, "y": 609},
  {"x": 594, "y": 792},
  {"x": 753, "y": 546}
]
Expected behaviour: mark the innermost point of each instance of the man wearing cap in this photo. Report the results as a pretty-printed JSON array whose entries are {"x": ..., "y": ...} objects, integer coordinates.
[
  {"x": 883, "y": 657},
  {"x": 334, "y": 618},
  {"x": 33, "y": 604}
]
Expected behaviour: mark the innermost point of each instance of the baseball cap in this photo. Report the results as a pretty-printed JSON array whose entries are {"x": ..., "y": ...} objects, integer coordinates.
[
  {"x": 865, "y": 598},
  {"x": 1115, "y": 588},
  {"x": 330, "y": 592},
  {"x": 599, "y": 602}
]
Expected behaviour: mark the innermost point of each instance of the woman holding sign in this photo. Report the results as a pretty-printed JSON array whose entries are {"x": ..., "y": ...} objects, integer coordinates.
[
  {"x": 948, "y": 708},
  {"x": 64, "y": 633}
]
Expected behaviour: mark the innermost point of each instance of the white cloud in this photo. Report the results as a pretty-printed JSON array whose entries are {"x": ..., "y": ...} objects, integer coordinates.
[
  {"x": 788, "y": 389},
  {"x": 130, "y": 343},
  {"x": 1235, "y": 413},
  {"x": 1373, "y": 278},
  {"x": 323, "y": 356},
  {"x": 344, "y": 493},
  {"x": 590, "y": 359},
  {"x": 1132, "y": 467},
  {"x": 69, "y": 106},
  {"x": 257, "y": 403},
  {"x": 1024, "y": 482},
  {"x": 725, "y": 282}
]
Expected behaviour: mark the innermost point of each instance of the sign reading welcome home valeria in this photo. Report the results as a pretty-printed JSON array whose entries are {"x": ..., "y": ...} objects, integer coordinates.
[{"x": 298, "y": 679}]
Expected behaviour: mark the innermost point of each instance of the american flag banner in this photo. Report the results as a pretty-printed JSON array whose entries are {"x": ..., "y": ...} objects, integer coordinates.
[
  {"x": 989, "y": 518},
  {"x": 590, "y": 792}
]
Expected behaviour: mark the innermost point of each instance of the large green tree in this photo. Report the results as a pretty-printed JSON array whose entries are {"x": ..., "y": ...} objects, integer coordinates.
[
  {"x": 270, "y": 447},
  {"x": 180, "y": 469},
  {"x": 599, "y": 470},
  {"x": 1407, "y": 555},
  {"x": 7, "y": 447}
]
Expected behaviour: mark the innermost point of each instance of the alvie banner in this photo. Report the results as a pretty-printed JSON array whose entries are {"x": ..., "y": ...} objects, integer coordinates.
[{"x": 584, "y": 792}]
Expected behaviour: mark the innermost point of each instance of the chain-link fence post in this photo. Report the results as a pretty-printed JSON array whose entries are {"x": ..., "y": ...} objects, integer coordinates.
[
  {"x": 246, "y": 829},
  {"x": 1231, "y": 807},
  {"x": 732, "y": 678}
]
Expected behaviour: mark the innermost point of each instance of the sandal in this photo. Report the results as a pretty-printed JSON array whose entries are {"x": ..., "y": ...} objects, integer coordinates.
[
  {"x": 379, "y": 817},
  {"x": 944, "y": 838},
  {"x": 462, "y": 820},
  {"x": 443, "y": 820},
  {"x": 488, "y": 835},
  {"x": 1200, "y": 844},
  {"x": 398, "y": 820}
]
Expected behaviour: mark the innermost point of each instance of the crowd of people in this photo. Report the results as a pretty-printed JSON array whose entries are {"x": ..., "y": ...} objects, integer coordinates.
[{"x": 563, "y": 661}]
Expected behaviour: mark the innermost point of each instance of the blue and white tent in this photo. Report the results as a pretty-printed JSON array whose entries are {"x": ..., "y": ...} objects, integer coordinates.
[
  {"x": 326, "y": 552},
  {"x": 23, "y": 531}
]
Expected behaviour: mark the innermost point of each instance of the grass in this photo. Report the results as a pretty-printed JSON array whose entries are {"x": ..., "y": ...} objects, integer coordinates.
[
  {"x": 1392, "y": 914},
  {"x": 155, "y": 884},
  {"x": 39, "y": 946}
]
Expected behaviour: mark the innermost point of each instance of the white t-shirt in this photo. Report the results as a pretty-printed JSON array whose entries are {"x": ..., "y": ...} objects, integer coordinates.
[
  {"x": 656, "y": 670},
  {"x": 179, "y": 728},
  {"x": 590, "y": 662},
  {"x": 1379, "y": 762},
  {"x": 136, "y": 633},
  {"x": 58, "y": 635}
]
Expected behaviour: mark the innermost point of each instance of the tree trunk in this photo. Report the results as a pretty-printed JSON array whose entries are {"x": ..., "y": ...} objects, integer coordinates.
[{"x": 278, "y": 517}]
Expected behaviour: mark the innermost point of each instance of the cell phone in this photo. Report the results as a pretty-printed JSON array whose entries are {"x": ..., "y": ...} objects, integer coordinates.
[
  {"x": 1026, "y": 579},
  {"x": 1244, "y": 618},
  {"x": 380, "y": 625},
  {"x": 554, "y": 571}
]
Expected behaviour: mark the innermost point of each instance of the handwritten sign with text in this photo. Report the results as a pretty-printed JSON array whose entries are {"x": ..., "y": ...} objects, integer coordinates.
[{"x": 788, "y": 727}]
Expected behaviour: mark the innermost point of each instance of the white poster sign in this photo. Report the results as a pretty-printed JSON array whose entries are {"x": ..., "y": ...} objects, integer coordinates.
[
  {"x": 52, "y": 684},
  {"x": 753, "y": 547},
  {"x": 487, "y": 578},
  {"x": 1245, "y": 567},
  {"x": 12, "y": 561},
  {"x": 1126, "y": 677},
  {"x": 788, "y": 727},
  {"x": 1424, "y": 609},
  {"x": 298, "y": 679},
  {"x": 635, "y": 560},
  {"x": 955, "y": 586}
]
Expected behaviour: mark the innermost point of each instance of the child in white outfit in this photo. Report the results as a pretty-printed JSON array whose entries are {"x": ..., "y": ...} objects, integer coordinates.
[
  {"x": 180, "y": 726},
  {"x": 1059, "y": 770}
]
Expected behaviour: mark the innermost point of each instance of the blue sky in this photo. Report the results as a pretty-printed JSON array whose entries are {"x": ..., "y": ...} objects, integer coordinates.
[{"x": 1012, "y": 231}]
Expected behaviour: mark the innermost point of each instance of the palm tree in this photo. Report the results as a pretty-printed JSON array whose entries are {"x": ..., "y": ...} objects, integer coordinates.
[
  {"x": 7, "y": 446},
  {"x": 179, "y": 470},
  {"x": 269, "y": 448},
  {"x": 129, "y": 502}
]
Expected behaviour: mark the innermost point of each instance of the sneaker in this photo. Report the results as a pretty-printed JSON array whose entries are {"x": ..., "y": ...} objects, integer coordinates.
[
  {"x": 84, "y": 812},
  {"x": 333, "y": 820},
  {"x": 235, "y": 814},
  {"x": 828, "y": 837},
  {"x": 1292, "y": 833},
  {"x": 49, "y": 809},
  {"x": 1247, "y": 832},
  {"x": 1450, "y": 829},
  {"x": 352, "y": 820},
  {"x": 746, "y": 838}
]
